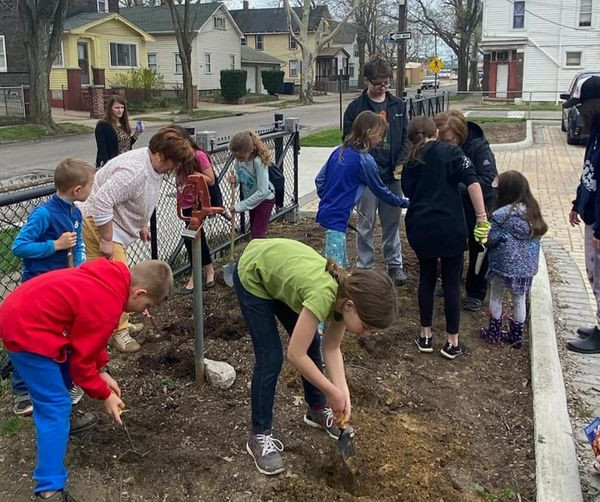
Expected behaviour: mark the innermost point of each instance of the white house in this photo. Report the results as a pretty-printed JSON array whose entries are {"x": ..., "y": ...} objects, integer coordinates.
[
  {"x": 346, "y": 39},
  {"x": 533, "y": 49},
  {"x": 216, "y": 47}
]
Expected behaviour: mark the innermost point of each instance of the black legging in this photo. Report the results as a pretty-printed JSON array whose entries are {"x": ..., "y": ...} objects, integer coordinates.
[
  {"x": 451, "y": 267},
  {"x": 206, "y": 258}
]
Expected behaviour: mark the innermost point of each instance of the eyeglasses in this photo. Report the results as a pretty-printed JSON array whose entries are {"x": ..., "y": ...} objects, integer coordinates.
[{"x": 385, "y": 83}]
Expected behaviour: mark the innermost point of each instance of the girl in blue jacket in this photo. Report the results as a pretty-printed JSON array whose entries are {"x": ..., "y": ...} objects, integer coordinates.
[{"x": 342, "y": 181}]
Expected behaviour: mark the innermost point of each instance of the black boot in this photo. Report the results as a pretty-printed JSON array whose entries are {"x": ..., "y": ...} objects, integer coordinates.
[
  {"x": 585, "y": 332},
  {"x": 493, "y": 333},
  {"x": 589, "y": 345},
  {"x": 515, "y": 333}
]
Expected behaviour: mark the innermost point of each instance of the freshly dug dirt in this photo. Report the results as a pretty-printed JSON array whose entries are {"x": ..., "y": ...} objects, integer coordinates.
[
  {"x": 427, "y": 429},
  {"x": 507, "y": 132}
]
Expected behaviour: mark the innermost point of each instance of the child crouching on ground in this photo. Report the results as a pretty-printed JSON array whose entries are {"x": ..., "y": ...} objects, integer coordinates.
[
  {"x": 513, "y": 254},
  {"x": 56, "y": 328}
]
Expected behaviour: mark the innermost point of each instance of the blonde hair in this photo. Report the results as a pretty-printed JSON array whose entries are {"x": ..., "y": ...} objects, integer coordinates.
[
  {"x": 420, "y": 129},
  {"x": 248, "y": 142},
  {"x": 155, "y": 276},
  {"x": 364, "y": 125},
  {"x": 372, "y": 292},
  {"x": 71, "y": 173},
  {"x": 454, "y": 121}
]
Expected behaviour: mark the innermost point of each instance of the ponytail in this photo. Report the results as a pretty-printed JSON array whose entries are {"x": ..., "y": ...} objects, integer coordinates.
[
  {"x": 250, "y": 142},
  {"x": 420, "y": 130}
]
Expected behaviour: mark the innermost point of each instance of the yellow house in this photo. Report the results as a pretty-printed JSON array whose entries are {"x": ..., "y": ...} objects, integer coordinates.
[{"x": 95, "y": 41}]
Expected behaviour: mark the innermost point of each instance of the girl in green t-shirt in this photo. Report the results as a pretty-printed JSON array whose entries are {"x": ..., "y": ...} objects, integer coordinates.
[{"x": 287, "y": 280}]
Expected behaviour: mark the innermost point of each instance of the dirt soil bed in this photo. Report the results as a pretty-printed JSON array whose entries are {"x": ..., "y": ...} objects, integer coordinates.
[
  {"x": 504, "y": 132},
  {"x": 428, "y": 429}
]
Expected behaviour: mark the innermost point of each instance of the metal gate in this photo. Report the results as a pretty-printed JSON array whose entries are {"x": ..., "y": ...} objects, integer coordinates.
[{"x": 12, "y": 105}]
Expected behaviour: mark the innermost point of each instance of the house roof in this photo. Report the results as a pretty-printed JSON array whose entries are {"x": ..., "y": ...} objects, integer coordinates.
[
  {"x": 345, "y": 35},
  {"x": 250, "y": 55},
  {"x": 83, "y": 21},
  {"x": 273, "y": 20},
  {"x": 332, "y": 52},
  {"x": 158, "y": 19}
]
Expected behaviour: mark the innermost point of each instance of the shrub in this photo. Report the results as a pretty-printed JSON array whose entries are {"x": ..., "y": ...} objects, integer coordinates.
[
  {"x": 233, "y": 84},
  {"x": 272, "y": 81},
  {"x": 140, "y": 78}
]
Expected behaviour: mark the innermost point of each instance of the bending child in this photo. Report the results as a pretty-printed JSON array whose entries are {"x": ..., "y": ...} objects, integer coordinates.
[
  {"x": 287, "y": 280},
  {"x": 343, "y": 179},
  {"x": 55, "y": 329},
  {"x": 514, "y": 250}
]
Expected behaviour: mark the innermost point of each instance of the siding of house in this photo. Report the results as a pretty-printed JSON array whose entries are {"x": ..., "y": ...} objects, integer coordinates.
[
  {"x": 545, "y": 72},
  {"x": 16, "y": 56}
]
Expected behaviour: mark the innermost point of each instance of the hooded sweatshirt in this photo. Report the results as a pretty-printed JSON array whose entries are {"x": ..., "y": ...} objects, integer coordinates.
[
  {"x": 587, "y": 202},
  {"x": 69, "y": 313}
]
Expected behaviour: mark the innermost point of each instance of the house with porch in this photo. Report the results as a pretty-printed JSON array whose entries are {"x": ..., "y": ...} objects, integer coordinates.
[
  {"x": 216, "y": 46},
  {"x": 533, "y": 50},
  {"x": 345, "y": 38}
]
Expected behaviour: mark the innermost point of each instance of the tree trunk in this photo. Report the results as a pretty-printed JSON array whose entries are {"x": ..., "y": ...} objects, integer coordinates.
[
  {"x": 473, "y": 72},
  {"x": 306, "y": 94},
  {"x": 188, "y": 104},
  {"x": 361, "y": 61},
  {"x": 40, "y": 111},
  {"x": 463, "y": 63}
]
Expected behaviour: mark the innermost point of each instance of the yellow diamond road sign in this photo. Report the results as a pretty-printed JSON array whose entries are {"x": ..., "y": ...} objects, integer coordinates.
[{"x": 435, "y": 64}]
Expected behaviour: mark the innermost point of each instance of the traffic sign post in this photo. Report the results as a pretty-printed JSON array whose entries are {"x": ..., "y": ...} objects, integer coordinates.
[{"x": 435, "y": 64}]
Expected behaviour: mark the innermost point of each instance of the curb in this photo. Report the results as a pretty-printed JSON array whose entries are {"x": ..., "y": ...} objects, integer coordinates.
[
  {"x": 556, "y": 465},
  {"x": 526, "y": 143}
]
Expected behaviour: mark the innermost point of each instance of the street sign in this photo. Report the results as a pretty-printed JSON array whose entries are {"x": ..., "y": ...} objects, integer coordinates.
[
  {"x": 435, "y": 64},
  {"x": 403, "y": 35}
]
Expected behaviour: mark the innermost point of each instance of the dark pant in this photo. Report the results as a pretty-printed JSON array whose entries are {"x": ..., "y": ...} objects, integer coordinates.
[
  {"x": 475, "y": 284},
  {"x": 259, "y": 219},
  {"x": 206, "y": 258},
  {"x": 451, "y": 267},
  {"x": 260, "y": 315}
]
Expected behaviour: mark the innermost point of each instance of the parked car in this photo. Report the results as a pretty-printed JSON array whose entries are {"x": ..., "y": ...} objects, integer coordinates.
[
  {"x": 428, "y": 82},
  {"x": 572, "y": 122}
]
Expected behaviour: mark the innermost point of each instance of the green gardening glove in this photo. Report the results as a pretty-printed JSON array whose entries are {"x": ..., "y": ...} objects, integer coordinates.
[{"x": 482, "y": 229}]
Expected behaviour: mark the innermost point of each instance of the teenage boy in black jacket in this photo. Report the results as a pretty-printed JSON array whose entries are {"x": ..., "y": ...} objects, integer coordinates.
[{"x": 389, "y": 156}]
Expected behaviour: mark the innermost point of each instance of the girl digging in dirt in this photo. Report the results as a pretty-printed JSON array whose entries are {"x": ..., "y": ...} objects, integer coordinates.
[
  {"x": 287, "y": 280},
  {"x": 342, "y": 181},
  {"x": 252, "y": 173},
  {"x": 435, "y": 224},
  {"x": 514, "y": 249},
  {"x": 200, "y": 164}
]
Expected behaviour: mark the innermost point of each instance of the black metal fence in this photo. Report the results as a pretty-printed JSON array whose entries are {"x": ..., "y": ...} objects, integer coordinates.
[
  {"x": 427, "y": 104},
  {"x": 16, "y": 204},
  {"x": 12, "y": 105}
]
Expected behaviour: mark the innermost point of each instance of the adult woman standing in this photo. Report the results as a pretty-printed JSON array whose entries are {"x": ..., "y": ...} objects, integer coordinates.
[
  {"x": 124, "y": 195},
  {"x": 114, "y": 135},
  {"x": 455, "y": 129}
]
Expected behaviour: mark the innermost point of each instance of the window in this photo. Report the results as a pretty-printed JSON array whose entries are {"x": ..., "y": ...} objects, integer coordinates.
[
  {"x": 178, "y": 65},
  {"x": 219, "y": 23},
  {"x": 355, "y": 50},
  {"x": 573, "y": 59},
  {"x": 260, "y": 42},
  {"x": 58, "y": 60},
  {"x": 585, "y": 13},
  {"x": 123, "y": 55},
  {"x": 102, "y": 5},
  {"x": 243, "y": 41},
  {"x": 207, "y": 65},
  {"x": 293, "y": 45},
  {"x": 519, "y": 15},
  {"x": 153, "y": 62},
  {"x": 232, "y": 59},
  {"x": 2, "y": 54},
  {"x": 293, "y": 68},
  {"x": 351, "y": 70}
]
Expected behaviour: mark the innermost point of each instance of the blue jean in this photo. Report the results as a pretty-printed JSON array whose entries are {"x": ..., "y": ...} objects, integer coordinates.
[
  {"x": 48, "y": 383},
  {"x": 260, "y": 315},
  {"x": 18, "y": 384}
]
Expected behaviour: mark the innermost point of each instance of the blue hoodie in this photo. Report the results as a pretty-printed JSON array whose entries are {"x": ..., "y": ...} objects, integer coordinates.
[
  {"x": 35, "y": 241},
  {"x": 341, "y": 183}
]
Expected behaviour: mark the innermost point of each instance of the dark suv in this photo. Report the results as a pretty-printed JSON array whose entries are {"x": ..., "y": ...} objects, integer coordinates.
[{"x": 571, "y": 121}]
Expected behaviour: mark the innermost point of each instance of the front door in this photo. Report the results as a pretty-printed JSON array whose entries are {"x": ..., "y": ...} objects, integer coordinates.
[
  {"x": 502, "y": 80},
  {"x": 84, "y": 62}
]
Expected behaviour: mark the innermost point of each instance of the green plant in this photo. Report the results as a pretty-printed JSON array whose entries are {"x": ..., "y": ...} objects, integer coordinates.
[
  {"x": 272, "y": 81},
  {"x": 233, "y": 84},
  {"x": 154, "y": 104},
  {"x": 140, "y": 78},
  {"x": 326, "y": 138},
  {"x": 10, "y": 263},
  {"x": 12, "y": 425},
  {"x": 166, "y": 381}
]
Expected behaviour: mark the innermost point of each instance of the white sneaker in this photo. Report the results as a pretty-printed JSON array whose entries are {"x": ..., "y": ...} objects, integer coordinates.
[
  {"x": 135, "y": 327},
  {"x": 76, "y": 394},
  {"x": 124, "y": 343}
]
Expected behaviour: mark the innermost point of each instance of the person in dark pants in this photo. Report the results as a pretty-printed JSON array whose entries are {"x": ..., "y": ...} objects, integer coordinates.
[
  {"x": 435, "y": 224},
  {"x": 456, "y": 130},
  {"x": 389, "y": 156}
]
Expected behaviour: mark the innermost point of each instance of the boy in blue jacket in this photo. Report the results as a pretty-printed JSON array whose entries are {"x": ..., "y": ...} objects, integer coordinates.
[{"x": 50, "y": 240}]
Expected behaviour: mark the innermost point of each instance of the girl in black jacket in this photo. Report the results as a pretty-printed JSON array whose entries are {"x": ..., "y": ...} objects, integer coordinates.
[
  {"x": 435, "y": 224},
  {"x": 113, "y": 133}
]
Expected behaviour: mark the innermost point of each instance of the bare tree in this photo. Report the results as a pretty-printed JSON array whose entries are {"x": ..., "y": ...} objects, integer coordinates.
[
  {"x": 43, "y": 23},
  {"x": 185, "y": 32},
  {"x": 323, "y": 36}
]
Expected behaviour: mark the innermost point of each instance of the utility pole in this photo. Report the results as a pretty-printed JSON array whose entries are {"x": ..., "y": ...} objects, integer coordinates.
[
  {"x": 401, "y": 49},
  {"x": 435, "y": 84}
]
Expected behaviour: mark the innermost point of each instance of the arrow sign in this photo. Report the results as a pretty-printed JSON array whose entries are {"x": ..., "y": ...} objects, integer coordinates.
[{"x": 403, "y": 35}]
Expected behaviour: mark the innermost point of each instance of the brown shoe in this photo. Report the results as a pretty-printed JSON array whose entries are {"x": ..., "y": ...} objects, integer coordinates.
[
  {"x": 135, "y": 327},
  {"x": 124, "y": 343}
]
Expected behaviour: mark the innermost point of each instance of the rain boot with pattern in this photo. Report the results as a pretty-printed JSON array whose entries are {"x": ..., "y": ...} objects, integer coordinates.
[{"x": 493, "y": 333}]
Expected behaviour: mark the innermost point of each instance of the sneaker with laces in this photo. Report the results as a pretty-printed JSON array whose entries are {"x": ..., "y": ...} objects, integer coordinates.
[
  {"x": 135, "y": 327},
  {"x": 398, "y": 276},
  {"x": 323, "y": 419},
  {"x": 59, "y": 496},
  {"x": 265, "y": 450},
  {"x": 472, "y": 304},
  {"x": 124, "y": 343},
  {"x": 81, "y": 422},
  {"x": 450, "y": 351},
  {"x": 22, "y": 405},
  {"x": 76, "y": 394},
  {"x": 425, "y": 344}
]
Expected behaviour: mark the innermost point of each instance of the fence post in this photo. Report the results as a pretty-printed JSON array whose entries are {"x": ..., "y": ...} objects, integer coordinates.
[
  {"x": 278, "y": 125},
  {"x": 292, "y": 124},
  {"x": 153, "y": 236},
  {"x": 205, "y": 139}
]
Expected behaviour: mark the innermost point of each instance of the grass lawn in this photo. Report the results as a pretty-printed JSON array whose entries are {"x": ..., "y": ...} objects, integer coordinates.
[
  {"x": 536, "y": 106},
  {"x": 10, "y": 262},
  {"x": 283, "y": 104},
  {"x": 496, "y": 120},
  {"x": 211, "y": 114},
  {"x": 328, "y": 137},
  {"x": 458, "y": 97},
  {"x": 35, "y": 131}
]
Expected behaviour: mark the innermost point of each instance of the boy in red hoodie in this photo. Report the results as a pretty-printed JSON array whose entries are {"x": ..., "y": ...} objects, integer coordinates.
[{"x": 55, "y": 328}]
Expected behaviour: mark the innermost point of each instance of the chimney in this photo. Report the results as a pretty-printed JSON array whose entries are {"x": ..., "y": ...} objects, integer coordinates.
[{"x": 245, "y": 4}]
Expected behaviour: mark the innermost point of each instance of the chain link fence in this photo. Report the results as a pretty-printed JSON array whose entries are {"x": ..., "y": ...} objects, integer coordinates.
[
  {"x": 19, "y": 199},
  {"x": 12, "y": 105}
]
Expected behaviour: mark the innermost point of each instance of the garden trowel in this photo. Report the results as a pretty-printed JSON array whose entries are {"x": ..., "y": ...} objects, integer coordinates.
[
  {"x": 345, "y": 443},
  {"x": 228, "y": 268},
  {"x": 480, "y": 258}
]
